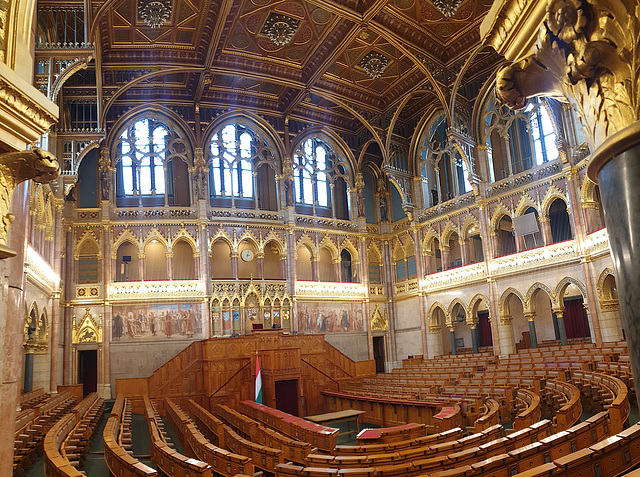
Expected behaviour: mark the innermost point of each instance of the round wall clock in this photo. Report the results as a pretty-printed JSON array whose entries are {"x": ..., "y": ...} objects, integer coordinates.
[{"x": 246, "y": 255}]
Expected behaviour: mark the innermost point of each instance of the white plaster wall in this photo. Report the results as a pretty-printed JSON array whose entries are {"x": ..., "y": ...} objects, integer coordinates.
[
  {"x": 408, "y": 314},
  {"x": 41, "y": 371},
  {"x": 408, "y": 342},
  {"x": 353, "y": 344},
  {"x": 139, "y": 359}
]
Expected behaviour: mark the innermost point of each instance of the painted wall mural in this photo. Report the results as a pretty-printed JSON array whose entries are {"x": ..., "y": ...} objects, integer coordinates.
[
  {"x": 151, "y": 321},
  {"x": 331, "y": 317}
]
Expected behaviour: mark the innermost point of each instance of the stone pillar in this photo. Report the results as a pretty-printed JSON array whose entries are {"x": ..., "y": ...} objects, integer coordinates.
[
  {"x": 497, "y": 246},
  {"x": 559, "y": 312},
  {"x": 610, "y": 321},
  {"x": 315, "y": 274},
  {"x": 446, "y": 255},
  {"x": 27, "y": 379},
  {"x": 337, "y": 270},
  {"x": 505, "y": 331},
  {"x": 474, "y": 338},
  {"x": 532, "y": 329},
  {"x": 260, "y": 265},
  {"x": 141, "y": 266},
  {"x": 466, "y": 255},
  {"x": 53, "y": 346},
  {"x": 169, "y": 259},
  {"x": 234, "y": 265},
  {"x": 434, "y": 342},
  {"x": 452, "y": 337}
]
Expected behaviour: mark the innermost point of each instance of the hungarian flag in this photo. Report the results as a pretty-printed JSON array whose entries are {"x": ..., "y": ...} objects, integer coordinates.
[{"x": 258, "y": 382}]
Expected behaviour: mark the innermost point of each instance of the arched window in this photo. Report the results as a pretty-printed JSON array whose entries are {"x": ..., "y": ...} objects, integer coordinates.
[
  {"x": 559, "y": 221},
  {"x": 345, "y": 262},
  {"x": 542, "y": 133},
  {"x": 149, "y": 154},
  {"x": 239, "y": 168},
  {"x": 316, "y": 169}
]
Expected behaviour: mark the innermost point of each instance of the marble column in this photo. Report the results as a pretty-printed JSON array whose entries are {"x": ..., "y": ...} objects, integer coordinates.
[
  {"x": 434, "y": 342},
  {"x": 474, "y": 339},
  {"x": 234, "y": 266},
  {"x": 315, "y": 273},
  {"x": 446, "y": 254},
  {"x": 532, "y": 329},
  {"x": 260, "y": 265},
  {"x": 452, "y": 337},
  {"x": 53, "y": 346},
  {"x": 618, "y": 180},
  {"x": 559, "y": 312},
  {"x": 27, "y": 379},
  {"x": 610, "y": 321},
  {"x": 507, "y": 341}
]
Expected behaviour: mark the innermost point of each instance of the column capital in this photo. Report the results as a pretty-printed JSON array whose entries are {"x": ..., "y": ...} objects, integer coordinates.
[
  {"x": 17, "y": 167},
  {"x": 585, "y": 52}
]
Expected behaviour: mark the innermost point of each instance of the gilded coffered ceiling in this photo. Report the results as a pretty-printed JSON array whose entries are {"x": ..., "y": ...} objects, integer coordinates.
[{"x": 340, "y": 62}]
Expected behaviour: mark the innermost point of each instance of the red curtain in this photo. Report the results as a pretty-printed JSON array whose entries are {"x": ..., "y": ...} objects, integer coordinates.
[
  {"x": 485, "y": 329},
  {"x": 575, "y": 319}
]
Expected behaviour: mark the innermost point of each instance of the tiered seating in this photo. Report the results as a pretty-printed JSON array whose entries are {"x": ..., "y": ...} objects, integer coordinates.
[
  {"x": 222, "y": 461},
  {"x": 166, "y": 458},
  {"x": 293, "y": 450},
  {"x": 319, "y": 436},
  {"x": 32, "y": 398},
  {"x": 608, "y": 390},
  {"x": 33, "y": 424},
  {"x": 117, "y": 443},
  {"x": 67, "y": 442}
]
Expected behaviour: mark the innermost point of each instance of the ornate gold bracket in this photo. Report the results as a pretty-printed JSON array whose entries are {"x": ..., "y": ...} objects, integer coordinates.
[
  {"x": 587, "y": 54},
  {"x": 16, "y": 167}
]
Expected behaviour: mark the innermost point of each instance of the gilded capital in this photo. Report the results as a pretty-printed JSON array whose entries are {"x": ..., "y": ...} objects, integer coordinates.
[
  {"x": 587, "y": 54},
  {"x": 17, "y": 167}
]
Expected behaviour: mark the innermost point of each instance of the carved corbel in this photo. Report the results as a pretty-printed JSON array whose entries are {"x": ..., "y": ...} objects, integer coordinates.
[
  {"x": 586, "y": 54},
  {"x": 16, "y": 167}
]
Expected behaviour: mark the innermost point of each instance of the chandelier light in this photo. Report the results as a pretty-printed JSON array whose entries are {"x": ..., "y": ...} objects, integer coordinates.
[
  {"x": 374, "y": 64},
  {"x": 280, "y": 28},
  {"x": 154, "y": 12},
  {"x": 447, "y": 7}
]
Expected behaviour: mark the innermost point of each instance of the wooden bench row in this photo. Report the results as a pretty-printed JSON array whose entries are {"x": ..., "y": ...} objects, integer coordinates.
[
  {"x": 66, "y": 443},
  {"x": 610, "y": 457},
  {"x": 609, "y": 390},
  {"x": 408, "y": 454},
  {"x": 117, "y": 454},
  {"x": 293, "y": 450},
  {"x": 32, "y": 398},
  {"x": 319, "y": 436},
  {"x": 389, "y": 411},
  {"x": 504, "y": 456},
  {"x": 430, "y": 439},
  {"x": 32, "y": 425},
  {"x": 166, "y": 458},
  {"x": 224, "y": 459}
]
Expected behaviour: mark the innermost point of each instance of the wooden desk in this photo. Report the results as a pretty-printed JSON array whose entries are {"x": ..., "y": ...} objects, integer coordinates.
[{"x": 346, "y": 415}]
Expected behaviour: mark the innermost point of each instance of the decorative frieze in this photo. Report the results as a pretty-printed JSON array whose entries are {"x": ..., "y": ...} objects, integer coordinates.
[
  {"x": 333, "y": 290},
  {"x": 537, "y": 258},
  {"x": 184, "y": 290},
  {"x": 450, "y": 278},
  {"x": 87, "y": 292}
]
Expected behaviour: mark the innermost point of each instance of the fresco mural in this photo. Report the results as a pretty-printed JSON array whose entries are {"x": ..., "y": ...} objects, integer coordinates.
[
  {"x": 149, "y": 321},
  {"x": 330, "y": 317}
]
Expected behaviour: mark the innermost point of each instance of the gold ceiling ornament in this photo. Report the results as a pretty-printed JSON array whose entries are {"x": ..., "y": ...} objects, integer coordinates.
[
  {"x": 374, "y": 64},
  {"x": 280, "y": 28},
  {"x": 447, "y": 7},
  {"x": 154, "y": 12}
]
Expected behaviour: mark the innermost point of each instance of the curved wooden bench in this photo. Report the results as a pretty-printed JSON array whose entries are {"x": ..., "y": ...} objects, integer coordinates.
[
  {"x": 491, "y": 417},
  {"x": 408, "y": 454},
  {"x": 441, "y": 437},
  {"x": 293, "y": 450},
  {"x": 222, "y": 461},
  {"x": 168, "y": 460},
  {"x": 322, "y": 437},
  {"x": 68, "y": 440},
  {"x": 610, "y": 391},
  {"x": 568, "y": 414},
  {"x": 118, "y": 459}
]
